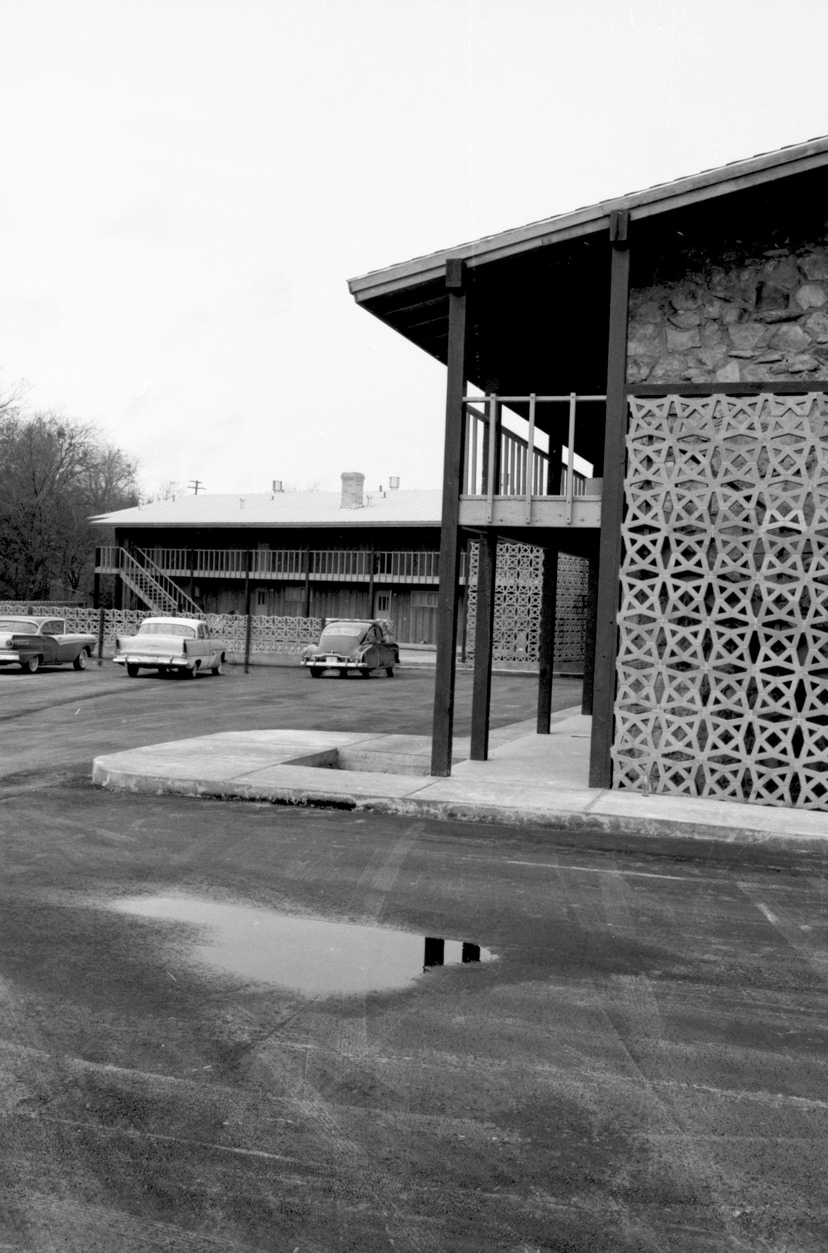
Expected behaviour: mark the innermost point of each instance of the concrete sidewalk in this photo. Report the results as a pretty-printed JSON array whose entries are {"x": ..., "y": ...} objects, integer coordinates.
[{"x": 529, "y": 779}]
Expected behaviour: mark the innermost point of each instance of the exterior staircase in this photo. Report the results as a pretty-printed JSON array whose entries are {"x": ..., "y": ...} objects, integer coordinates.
[{"x": 160, "y": 593}]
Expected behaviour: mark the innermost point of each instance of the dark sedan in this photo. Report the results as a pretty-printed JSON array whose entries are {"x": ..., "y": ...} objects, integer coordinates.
[{"x": 358, "y": 645}]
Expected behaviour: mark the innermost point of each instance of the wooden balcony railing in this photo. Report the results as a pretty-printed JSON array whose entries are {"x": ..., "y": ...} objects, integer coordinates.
[
  {"x": 502, "y": 466},
  {"x": 284, "y": 565}
]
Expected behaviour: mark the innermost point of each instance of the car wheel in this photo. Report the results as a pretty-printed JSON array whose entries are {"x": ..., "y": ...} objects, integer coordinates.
[
  {"x": 82, "y": 660},
  {"x": 132, "y": 670},
  {"x": 188, "y": 673},
  {"x": 29, "y": 667},
  {"x": 315, "y": 672},
  {"x": 365, "y": 674},
  {"x": 389, "y": 670}
]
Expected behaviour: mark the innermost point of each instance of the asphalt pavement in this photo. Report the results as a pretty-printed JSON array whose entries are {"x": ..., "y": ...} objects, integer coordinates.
[{"x": 207, "y": 1044}]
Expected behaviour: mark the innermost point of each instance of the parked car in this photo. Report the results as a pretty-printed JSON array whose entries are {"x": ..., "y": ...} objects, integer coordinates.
[
  {"x": 36, "y": 641},
  {"x": 360, "y": 644},
  {"x": 170, "y": 645}
]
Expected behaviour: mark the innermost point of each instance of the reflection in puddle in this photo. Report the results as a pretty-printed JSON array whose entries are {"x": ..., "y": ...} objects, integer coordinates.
[{"x": 309, "y": 955}]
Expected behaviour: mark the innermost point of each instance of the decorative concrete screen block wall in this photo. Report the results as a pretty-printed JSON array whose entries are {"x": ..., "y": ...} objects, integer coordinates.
[
  {"x": 723, "y": 642},
  {"x": 749, "y": 317},
  {"x": 570, "y": 618},
  {"x": 267, "y": 635},
  {"x": 517, "y": 612}
]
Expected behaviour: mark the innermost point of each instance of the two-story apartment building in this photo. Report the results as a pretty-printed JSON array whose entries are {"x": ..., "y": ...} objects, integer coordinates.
[{"x": 314, "y": 554}]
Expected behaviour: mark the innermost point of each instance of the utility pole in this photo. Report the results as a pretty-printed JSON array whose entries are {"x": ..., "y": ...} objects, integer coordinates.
[{"x": 195, "y": 484}]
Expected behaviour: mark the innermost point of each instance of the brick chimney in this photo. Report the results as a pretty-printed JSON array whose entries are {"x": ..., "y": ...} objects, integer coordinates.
[{"x": 352, "y": 497}]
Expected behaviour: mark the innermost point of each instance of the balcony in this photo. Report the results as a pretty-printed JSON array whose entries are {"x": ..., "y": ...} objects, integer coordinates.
[
  {"x": 521, "y": 485},
  {"x": 283, "y": 565}
]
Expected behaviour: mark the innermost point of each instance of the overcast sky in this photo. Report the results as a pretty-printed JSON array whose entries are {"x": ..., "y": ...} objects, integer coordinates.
[{"x": 189, "y": 184}]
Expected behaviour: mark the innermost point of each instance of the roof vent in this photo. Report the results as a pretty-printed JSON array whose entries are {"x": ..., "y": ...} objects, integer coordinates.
[
  {"x": 352, "y": 484},
  {"x": 394, "y": 483},
  {"x": 277, "y": 486}
]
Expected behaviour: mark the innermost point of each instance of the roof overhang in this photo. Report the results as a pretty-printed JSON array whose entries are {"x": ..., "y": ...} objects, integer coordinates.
[
  {"x": 662, "y": 198},
  {"x": 538, "y": 296}
]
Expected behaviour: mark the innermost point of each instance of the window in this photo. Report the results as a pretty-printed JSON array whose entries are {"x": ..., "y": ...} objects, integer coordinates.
[
  {"x": 424, "y": 600},
  {"x": 382, "y": 603}
]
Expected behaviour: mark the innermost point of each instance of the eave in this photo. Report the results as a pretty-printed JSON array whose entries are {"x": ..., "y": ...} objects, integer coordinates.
[{"x": 662, "y": 198}]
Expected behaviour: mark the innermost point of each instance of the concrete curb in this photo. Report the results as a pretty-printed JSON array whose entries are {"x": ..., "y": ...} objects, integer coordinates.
[{"x": 513, "y": 789}]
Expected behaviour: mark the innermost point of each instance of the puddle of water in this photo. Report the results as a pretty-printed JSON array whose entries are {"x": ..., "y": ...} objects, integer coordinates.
[{"x": 309, "y": 955}]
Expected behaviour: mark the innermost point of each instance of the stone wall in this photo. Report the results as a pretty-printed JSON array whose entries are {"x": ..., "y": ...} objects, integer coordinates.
[{"x": 734, "y": 319}]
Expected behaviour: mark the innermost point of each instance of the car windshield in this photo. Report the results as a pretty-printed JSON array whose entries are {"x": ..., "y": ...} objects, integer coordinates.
[
  {"x": 341, "y": 637},
  {"x": 18, "y": 626},
  {"x": 167, "y": 628}
]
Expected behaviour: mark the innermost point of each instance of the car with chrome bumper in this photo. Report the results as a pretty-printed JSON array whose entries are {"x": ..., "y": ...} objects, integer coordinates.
[
  {"x": 32, "y": 642},
  {"x": 353, "y": 646},
  {"x": 179, "y": 646}
]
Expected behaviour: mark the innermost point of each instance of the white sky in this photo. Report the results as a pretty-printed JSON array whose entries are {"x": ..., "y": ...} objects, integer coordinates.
[{"x": 188, "y": 185}]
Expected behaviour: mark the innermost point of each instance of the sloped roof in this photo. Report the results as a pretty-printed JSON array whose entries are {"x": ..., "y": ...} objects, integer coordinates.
[
  {"x": 660, "y": 198},
  {"x": 537, "y": 314},
  {"x": 282, "y": 509}
]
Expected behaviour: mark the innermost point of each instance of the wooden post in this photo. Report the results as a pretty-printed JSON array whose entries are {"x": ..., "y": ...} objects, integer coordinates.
[
  {"x": 307, "y": 581},
  {"x": 589, "y": 635},
  {"x": 370, "y": 613},
  {"x": 483, "y": 640},
  {"x": 118, "y": 593},
  {"x": 101, "y": 628},
  {"x": 455, "y": 432},
  {"x": 546, "y": 643},
  {"x": 191, "y": 592},
  {"x": 612, "y": 506},
  {"x": 248, "y": 625}
]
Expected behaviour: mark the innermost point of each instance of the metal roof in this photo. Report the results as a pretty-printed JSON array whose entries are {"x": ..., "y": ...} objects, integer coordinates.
[
  {"x": 399, "y": 507},
  {"x": 662, "y": 197}
]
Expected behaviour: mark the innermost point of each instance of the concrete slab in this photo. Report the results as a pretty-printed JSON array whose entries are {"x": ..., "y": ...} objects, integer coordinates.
[{"x": 529, "y": 778}]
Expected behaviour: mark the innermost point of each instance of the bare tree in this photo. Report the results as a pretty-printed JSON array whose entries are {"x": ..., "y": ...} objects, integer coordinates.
[{"x": 54, "y": 473}]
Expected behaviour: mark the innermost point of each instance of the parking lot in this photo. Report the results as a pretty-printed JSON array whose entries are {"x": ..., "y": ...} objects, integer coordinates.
[{"x": 628, "y": 1054}]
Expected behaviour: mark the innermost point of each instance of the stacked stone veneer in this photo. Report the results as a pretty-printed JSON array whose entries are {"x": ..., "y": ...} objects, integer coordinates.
[
  {"x": 736, "y": 319},
  {"x": 722, "y": 646}
]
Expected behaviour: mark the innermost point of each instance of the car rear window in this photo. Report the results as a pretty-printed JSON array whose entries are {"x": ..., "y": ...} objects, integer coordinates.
[
  {"x": 167, "y": 628},
  {"x": 17, "y": 626},
  {"x": 341, "y": 637}
]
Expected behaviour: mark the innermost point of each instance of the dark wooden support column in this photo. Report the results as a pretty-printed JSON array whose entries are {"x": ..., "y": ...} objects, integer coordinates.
[
  {"x": 483, "y": 640},
  {"x": 589, "y": 635},
  {"x": 96, "y": 581},
  {"x": 546, "y": 643},
  {"x": 612, "y": 506},
  {"x": 248, "y": 566},
  {"x": 443, "y": 724},
  {"x": 191, "y": 592},
  {"x": 306, "y": 598},
  {"x": 119, "y": 582}
]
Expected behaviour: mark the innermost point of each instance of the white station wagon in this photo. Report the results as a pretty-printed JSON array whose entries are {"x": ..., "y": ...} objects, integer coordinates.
[{"x": 170, "y": 645}]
